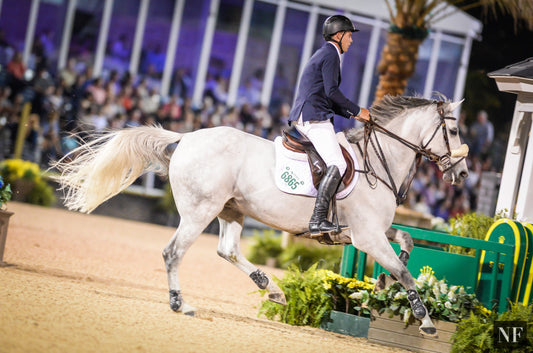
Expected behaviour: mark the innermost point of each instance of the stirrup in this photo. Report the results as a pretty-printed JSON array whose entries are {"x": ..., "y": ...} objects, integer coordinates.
[{"x": 334, "y": 229}]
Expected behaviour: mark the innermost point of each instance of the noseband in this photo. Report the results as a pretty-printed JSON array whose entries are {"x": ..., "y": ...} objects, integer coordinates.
[{"x": 443, "y": 162}]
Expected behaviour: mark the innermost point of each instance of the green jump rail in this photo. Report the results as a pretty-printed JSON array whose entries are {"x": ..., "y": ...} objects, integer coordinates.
[{"x": 354, "y": 262}]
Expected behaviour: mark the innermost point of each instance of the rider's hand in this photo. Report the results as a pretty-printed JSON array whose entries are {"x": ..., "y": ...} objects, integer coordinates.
[{"x": 364, "y": 115}]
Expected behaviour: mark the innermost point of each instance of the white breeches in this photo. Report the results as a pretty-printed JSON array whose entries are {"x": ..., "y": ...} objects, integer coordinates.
[{"x": 322, "y": 135}]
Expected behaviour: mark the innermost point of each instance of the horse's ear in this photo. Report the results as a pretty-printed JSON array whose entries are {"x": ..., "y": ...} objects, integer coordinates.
[{"x": 454, "y": 105}]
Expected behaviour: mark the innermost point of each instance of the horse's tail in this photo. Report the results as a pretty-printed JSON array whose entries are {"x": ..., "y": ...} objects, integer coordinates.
[{"x": 102, "y": 168}]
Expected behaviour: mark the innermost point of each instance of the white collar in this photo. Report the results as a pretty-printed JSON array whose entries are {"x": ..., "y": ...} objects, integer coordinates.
[{"x": 337, "y": 49}]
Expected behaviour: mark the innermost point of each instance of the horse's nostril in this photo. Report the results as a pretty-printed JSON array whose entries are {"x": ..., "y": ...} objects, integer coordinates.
[{"x": 463, "y": 174}]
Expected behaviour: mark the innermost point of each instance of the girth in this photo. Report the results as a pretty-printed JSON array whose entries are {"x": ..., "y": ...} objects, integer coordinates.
[{"x": 294, "y": 141}]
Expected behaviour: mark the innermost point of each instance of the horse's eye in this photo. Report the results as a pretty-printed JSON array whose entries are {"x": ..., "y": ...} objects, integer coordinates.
[{"x": 453, "y": 131}]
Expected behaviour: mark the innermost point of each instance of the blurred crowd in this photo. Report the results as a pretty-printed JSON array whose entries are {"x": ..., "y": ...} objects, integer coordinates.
[{"x": 71, "y": 102}]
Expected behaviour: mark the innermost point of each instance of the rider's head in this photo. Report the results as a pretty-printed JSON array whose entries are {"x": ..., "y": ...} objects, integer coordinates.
[{"x": 334, "y": 30}]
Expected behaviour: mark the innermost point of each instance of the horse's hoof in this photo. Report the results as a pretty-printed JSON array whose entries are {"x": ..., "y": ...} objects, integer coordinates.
[
  {"x": 428, "y": 331},
  {"x": 188, "y": 310},
  {"x": 278, "y": 298}
]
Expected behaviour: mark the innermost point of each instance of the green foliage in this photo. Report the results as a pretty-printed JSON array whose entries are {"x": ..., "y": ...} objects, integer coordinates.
[
  {"x": 470, "y": 225},
  {"x": 166, "y": 202},
  {"x": 264, "y": 245},
  {"x": 304, "y": 256},
  {"x": 5, "y": 192},
  {"x": 307, "y": 291},
  {"x": 26, "y": 180},
  {"x": 307, "y": 301},
  {"x": 267, "y": 244},
  {"x": 444, "y": 302},
  {"x": 475, "y": 333},
  {"x": 41, "y": 194}
]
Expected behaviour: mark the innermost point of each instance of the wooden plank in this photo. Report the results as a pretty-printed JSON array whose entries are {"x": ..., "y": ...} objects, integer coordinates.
[
  {"x": 420, "y": 344},
  {"x": 411, "y": 330}
]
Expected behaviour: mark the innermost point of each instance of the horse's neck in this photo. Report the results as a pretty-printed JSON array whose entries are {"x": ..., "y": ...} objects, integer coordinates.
[{"x": 399, "y": 157}]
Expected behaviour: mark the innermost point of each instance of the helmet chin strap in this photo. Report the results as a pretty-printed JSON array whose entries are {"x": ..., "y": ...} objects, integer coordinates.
[{"x": 339, "y": 42}]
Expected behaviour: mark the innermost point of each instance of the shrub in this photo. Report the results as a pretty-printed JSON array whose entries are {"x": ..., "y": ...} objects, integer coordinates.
[
  {"x": 5, "y": 192},
  {"x": 470, "y": 225},
  {"x": 475, "y": 334},
  {"x": 307, "y": 302},
  {"x": 26, "y": 181},
  {"x": 264, "y": 245}
]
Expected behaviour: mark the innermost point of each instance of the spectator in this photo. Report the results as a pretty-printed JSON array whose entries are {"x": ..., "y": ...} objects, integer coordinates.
[{"x": 482, "y": 133}]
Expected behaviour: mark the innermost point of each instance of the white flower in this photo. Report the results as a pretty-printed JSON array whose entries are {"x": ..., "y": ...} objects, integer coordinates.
[
  {"x": 443, "y": 287},
  {"x": 432, "y": 281},
  {"x": 451, "y": 296},
  {"x": 453, "y": 288},
  {"x": 448, "y": 305},
  {"x": 356, "y": 295},
  {"x": 436, "y": 292}
]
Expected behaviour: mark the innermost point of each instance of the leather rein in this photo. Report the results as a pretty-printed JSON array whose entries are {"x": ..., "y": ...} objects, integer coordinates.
[{"x": 370, "y": 137}]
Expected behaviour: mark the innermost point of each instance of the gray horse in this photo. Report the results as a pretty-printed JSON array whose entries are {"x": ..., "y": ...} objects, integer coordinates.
[{"x": 226, "y": 173}]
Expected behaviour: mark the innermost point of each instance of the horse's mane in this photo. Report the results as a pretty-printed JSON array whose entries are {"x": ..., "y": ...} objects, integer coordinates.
[{"x": 387, "y": 109}]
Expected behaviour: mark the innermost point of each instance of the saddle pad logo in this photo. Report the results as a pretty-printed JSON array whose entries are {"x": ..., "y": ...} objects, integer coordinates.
[
  {"x": 293, "y": 176},
  {"x": 290, "y": 178}
]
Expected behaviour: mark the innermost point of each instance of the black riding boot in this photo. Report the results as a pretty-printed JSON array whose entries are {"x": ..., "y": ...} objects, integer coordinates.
[{"x": 319, "y": 223}]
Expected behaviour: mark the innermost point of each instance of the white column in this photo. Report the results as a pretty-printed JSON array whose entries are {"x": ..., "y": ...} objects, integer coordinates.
[
  {"x": 102, "y": 38},
  {"x": 461, "y": 73},
  {"x": 67, "y": 32},
  {"x": 370, "y": 64},
  {"x": 309, "y": 39},
  {"x": 171, "y": 48},
  {"x": 30, "y": 31},
  {"x": 524, "y": 202},
  {"x": 273, "y": 53},
  {"x": 432, "y": 68},
  {"x": 138, "y": 39},
  {"x": 514, "y": 157},
  {"x": 240, "y": 51},
  {"x": 205, "y": 54}
]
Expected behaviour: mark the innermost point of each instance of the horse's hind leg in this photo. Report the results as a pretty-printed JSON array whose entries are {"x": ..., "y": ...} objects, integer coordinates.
[
  {"x": 229, "y": 249},
  {"x": 187, "y": 232},
  {"x": 405, "y": 241}
]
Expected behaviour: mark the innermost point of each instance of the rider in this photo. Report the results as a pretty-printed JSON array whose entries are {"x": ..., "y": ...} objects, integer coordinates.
[{"x": 318, "y": 99}]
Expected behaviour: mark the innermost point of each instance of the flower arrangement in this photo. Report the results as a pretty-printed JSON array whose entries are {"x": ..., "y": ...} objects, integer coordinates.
[
  {"x": 313, "y": 292},
  {"x": 5, "y": 193},
  {"x": 444, "y": 302},
  {"x": 26, "y": 182}
]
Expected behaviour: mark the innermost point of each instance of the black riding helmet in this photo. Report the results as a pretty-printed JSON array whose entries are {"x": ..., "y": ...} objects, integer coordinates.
[{"x": 334, "y": 24}]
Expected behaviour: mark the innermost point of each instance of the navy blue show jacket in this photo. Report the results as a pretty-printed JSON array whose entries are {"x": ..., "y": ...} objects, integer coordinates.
[{"x": 318, "y": 97}]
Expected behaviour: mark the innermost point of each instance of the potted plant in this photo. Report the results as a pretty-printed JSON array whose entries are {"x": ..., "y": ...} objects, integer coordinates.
[
  {"x": 5, "y": 195},
  {"x": 447, "y": 305}
]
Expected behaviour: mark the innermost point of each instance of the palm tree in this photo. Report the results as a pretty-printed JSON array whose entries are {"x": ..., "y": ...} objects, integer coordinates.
[{"x": 410, "y": 24}]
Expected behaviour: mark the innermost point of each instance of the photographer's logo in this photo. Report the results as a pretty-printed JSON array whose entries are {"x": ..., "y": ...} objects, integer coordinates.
[{"x": 510, "y": 334}]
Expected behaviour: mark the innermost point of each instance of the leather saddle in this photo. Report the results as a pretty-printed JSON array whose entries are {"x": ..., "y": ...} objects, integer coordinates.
[{"x": 294, "y": 141}]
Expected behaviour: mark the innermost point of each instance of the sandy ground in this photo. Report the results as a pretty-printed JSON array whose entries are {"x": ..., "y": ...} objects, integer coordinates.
[{"x": 85, "y": 283}]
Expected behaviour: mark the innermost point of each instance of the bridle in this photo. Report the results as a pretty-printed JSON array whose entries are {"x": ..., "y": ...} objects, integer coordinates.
[{"x": 443, "y": 161}]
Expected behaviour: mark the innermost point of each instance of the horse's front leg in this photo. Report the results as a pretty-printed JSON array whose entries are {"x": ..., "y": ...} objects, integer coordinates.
[
  {"x": 405, "y": 241},
  {"x": 229, "y": 249},
  {"x": 377, "y": 246}
]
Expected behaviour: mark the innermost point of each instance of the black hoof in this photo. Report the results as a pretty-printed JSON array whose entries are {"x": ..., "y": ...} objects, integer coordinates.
[
  {"x": 278, "y": 298},
  {"x": 429, "y": 331},
  {"x": 175, "y": 301},
  {"x": 380, "y": 282}
]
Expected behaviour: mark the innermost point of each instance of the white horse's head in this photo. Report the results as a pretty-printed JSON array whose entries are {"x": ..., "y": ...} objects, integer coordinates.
[{"x": 442, "y": 140}]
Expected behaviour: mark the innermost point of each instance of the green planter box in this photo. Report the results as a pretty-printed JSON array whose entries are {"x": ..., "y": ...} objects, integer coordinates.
[{"x": 346, "y": 324}]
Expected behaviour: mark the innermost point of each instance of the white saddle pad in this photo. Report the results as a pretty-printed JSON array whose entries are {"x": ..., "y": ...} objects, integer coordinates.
[{"x": 293, "y": 175}]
